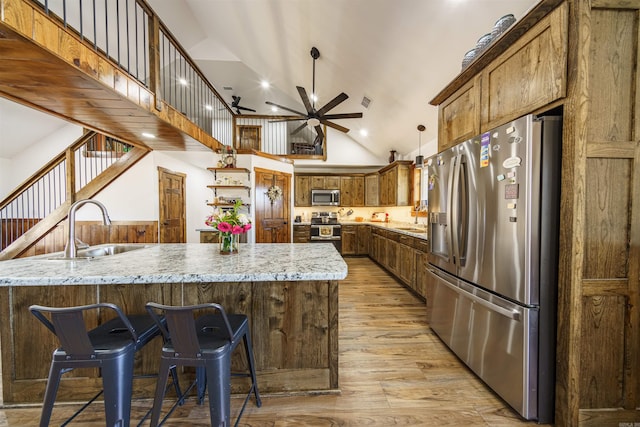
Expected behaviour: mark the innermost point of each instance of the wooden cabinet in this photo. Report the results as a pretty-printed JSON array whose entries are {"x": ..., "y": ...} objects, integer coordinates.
[
  {"x": 395, "y": 184},
  {"x": 407, "y": 264},
  {"x": 528, "y": 75},
  {"x": 302, "y": 190},
  {"x": 459, "y": 116},
  {"x": 371, "y": 190},
  {"x": 349, "y": 240},
  {"x": 402, "y": 255},
  {"x": 325, "y": 182},
  {"x": 525, "y": 77},
  {"x": 352, "y": 191},
  {"x": 392, "y": 260},
  {"x": 363, "y": 238},
  {"x": 301, "y": 233},
  {"x": 355, "y": 239}
]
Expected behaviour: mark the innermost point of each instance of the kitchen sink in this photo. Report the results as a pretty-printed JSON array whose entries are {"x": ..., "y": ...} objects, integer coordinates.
[
  {"x": 412, "y": 229},
  {"x": 101, "y": 251}
]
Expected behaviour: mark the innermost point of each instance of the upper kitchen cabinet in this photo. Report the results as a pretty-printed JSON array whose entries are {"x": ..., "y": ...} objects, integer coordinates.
[
  {"x": 371, "y": 190},
  {"x": 325, "y": 182},
  {"x": 459, "y": 116},
  {"x": 526, "y": 76},
  {"x": 302, "y": 190},
  {"x": 395, "y": 184},
  {"x": 352, "y": 191}
]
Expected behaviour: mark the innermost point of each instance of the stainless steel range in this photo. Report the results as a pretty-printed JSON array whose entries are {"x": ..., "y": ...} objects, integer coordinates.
[{"x": 326, "y": 228}]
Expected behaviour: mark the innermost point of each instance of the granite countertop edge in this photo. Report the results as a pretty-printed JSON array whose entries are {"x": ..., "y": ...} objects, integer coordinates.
[{"x": 182, "y": 263}]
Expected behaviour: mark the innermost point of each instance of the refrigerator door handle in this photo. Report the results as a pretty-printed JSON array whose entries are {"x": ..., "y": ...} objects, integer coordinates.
[
  {"x": 450, "y": 224},
  {"x": 463, "y": 201},
  {"x": 511, "y": 314},
  {"x": 454, "y": 199}
]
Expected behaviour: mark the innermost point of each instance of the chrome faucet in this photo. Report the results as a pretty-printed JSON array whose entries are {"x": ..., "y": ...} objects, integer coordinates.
[{"x": 71, "y": 249}]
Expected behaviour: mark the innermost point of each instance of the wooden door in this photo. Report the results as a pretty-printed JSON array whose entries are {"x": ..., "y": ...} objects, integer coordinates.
[
  {"x": 272, "y": 217},
  {"x": 172, "y": 212},
  {"x": 249, "y": 137}
]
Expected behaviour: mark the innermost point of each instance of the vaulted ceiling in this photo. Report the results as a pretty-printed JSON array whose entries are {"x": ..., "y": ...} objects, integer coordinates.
[{"x": 397, "y": 53}]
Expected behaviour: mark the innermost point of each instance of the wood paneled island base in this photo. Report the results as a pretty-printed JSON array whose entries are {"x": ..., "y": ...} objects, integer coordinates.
[{"x": 294, "y": 323}]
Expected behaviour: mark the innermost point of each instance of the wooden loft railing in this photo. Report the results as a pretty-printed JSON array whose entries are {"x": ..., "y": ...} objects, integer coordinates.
[
  {"x": 81, "y": 171},
  {"x": 119, "y": 71},
  {"x": 116, "y": 70}
]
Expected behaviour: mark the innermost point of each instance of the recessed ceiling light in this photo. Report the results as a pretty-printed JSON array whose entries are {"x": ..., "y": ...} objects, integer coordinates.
[
  {"x": 183, "y": 81},
  {"x": 314, "y": 97},
  {"x": 364, "y": 132},
  {"x": 274, "y": 108},
  {"x": 208, "y": 107},
  {"x": 148, "y": 135},
  {"x": 265, "y": 84}
]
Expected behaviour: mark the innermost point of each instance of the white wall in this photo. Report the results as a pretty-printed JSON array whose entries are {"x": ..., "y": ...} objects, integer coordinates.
[
  {"x": 344, "y": 151},
  {"x": 134, "y": 195},
  {"x": 17, "y": 169}
]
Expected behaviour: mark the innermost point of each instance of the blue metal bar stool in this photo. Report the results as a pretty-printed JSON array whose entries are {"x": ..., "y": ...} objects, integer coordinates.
[
  {"x": 205, "y": 342},
  {"x": 110, "y": 347}
]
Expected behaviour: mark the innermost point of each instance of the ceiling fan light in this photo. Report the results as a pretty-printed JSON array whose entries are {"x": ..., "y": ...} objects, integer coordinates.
[{"x": 313, "y": 122}]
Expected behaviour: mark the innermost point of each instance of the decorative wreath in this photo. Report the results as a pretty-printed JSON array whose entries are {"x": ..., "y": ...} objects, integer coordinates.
[{"x": 274, "y": 193}]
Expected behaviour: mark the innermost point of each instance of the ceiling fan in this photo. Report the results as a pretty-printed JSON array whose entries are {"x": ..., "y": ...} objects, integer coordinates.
[
  {"x": 235, "y": 105},
  {"x": 313, "y": 118}
]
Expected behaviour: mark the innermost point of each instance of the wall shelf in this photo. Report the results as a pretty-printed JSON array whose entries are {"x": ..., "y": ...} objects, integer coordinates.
[{"x": 216, "y": 187}]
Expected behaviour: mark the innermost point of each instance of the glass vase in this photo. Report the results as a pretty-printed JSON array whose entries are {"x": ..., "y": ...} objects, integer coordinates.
[{"x": 229, "y": 243}]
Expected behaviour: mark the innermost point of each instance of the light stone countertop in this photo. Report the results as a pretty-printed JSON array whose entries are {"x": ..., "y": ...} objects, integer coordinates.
[
  {"x": 182, "y": 263},
  {"x": 394, "y": 226}
]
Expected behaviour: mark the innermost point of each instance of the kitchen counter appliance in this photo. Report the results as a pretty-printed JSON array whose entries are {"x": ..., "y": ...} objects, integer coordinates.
[
  {"x": 326, "y": 228},
  {"x": 493, "y": 233},
  {"x": 325, "y": 198}
]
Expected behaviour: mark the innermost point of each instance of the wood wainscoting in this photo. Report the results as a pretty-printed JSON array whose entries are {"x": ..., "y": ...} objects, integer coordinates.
[{"x": 95, "y": 233}]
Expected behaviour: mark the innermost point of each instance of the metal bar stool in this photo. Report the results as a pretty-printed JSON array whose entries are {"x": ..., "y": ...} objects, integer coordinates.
[
  {"x": 110, "y": 347},
  {"x": 205, "y": 342}
]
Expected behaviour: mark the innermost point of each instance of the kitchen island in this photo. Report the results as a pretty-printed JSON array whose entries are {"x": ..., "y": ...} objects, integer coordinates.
[{"x": 289, "y": 292}]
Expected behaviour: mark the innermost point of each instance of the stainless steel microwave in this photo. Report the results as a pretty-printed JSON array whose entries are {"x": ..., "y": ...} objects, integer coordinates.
[{"x": 325, "y": 197}]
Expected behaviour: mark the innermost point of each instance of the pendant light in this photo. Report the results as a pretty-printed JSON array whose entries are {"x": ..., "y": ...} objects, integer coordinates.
[{"x": 419, "y": 157}]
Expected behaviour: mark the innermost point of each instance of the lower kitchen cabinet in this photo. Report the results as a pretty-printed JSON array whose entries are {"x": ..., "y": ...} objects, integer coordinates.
[
  {"x": 407, "y": 264},
  {"x": 403, "y": 256},
  {"x": 363, "y": 238},
  {"x": 349, "y": 240},
  {"x": 355, "y": 239},
  {"x": 301, "y": 233}
]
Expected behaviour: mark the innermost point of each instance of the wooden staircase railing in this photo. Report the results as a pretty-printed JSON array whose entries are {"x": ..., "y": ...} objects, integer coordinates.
[{"x": 81, "y": 171}]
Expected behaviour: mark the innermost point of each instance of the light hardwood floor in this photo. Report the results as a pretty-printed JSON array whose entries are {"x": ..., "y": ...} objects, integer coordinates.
[{"x": 393, "y": 372}]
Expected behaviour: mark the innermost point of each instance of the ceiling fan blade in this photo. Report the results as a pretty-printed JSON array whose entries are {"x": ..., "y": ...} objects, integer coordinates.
[
  {"x": 305, "y": 99},
  {"x": 342, "y": 116},
  {"x": 246, "y": 109},
  {"x": 319, "y": 137},
  {"x": 287, "y": 109},
  {"x": 288, "y": 119},
  {"x": 335, "y": 126},
  {"x": 299, "y": 128},
  {"x": 333, "y": 103}
]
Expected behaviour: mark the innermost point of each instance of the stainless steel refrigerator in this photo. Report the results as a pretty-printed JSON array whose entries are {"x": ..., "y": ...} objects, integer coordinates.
[{"x": 493, "y": 232}]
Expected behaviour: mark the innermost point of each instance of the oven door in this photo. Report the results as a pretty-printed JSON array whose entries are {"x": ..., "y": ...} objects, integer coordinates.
[{"x": 326, "y": 234}]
